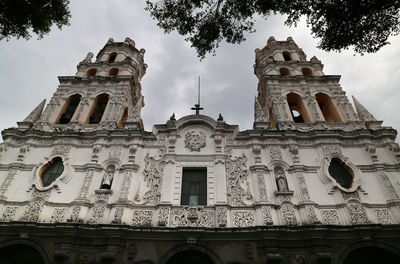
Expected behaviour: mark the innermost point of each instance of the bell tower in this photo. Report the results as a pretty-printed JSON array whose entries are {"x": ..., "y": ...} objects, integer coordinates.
[
  {"x": 294, "y": 93},
  {"x": 103, "y": 94}
]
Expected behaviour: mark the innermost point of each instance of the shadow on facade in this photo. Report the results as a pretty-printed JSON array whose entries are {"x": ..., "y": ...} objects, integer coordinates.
[{"x": 19, "y": 253}]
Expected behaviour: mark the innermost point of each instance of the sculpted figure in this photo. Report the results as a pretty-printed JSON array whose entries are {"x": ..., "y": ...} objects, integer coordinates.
[
  {"x": 108, "y": 177},
  {"x": 281, "y": 180}
]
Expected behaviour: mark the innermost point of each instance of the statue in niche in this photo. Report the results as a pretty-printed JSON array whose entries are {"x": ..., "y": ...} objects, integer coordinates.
[
  {"x": 281, "y": 180},
  {"x": 108, "y": 177}
]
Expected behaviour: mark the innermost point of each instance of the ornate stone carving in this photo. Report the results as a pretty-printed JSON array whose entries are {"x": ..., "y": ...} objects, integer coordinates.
[
  {"x": 298, "y": 259},
  {"x": 126, "y": 183},
  {"x": 275, "y": 153},
  {"x": 115, "y": 152},
  {"x": 289, "y": 216},
  {"x": 350, "y": 195},
  {"x": 97, "y": 213},
  {"x": 108, "y": 177},
  {"x": 330, "y": 217},
  {"x": 163, "y": 216},
  {"x": 192, "y": 216},
  {"x": 195, "y": 140},
  {"x": 33, "y": 211},
  {"x": 388, "y": 185},
  {"x": 259, "y": 115},
  {"x": 61, "y": 150},
  {"x": 261, "y": 186},
  {"x": 6, "y": 184},
  {"x": 85, "y": 186},
  {"x": 58, "y": 215},
  {"x": 153, "y": 175},
  {"x": 383, "y": 216},
  {"x": 328, "y": 150},
  {"x": 243, "y": 218},
  {"x": 267, "y": 217},
  {"x": 22, "y": 151},
  {"x": 311, "y": 216},
  {"x": 236, "y": 173},
  {"x": 9, "y": 213},
  {"x": 280, "y": 179},
  {"x": 142, "y": 218},
  {"x": 357, "y": 212},
  {"x": 76, "y": 210},
  {"x": 119, "y": 211},
  {"x": 222, "y": 216},
  {"x": 303, "y": 187}
]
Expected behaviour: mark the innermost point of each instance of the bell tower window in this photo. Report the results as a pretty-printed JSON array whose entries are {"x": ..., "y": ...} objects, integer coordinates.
[
  {"x": 113, "y": 72},
  {"x": 284, "y": 71},
  {"x": 98, "y": 109},
  {"x": 327, "y": 107},
  {"x": 51, "y": 171},
  {"x": 69, "y": 109},
  {"x": 91, "y": 72},
  {"x": 194, "y": 186},
  {"x": 286, "y": 56},
  {"x": 112, "y": 57},
  {"x": 306, "y": 72},
  {"x": 297, "y": 108}
]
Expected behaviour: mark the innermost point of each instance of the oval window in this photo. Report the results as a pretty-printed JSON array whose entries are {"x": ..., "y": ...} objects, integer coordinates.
[
  {"x": 342, "y": 173},
  {"x": 51, "y": 171}
]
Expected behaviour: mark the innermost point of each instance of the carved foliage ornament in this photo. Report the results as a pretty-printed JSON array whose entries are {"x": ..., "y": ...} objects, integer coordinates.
[
  {"x": 192, "y": 216},
  {"x": 195, "y": 140},
  {"x": 153, "y": 174},
  {"x": 243, "y": 219},
  {"x": 236, "y": 173}
]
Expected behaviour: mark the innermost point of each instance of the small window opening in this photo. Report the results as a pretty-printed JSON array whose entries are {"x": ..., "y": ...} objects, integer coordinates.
[
  {"x": 286, "y": 56},
  {"x": 113, "y": 72},
  {"x": 284, "y": 71},
  {"x": 327, "y": 107},
  {"x": 124, "y": 118},
  {"x": 69, "y": 109},
  {"x": 342, "y": 173},
  {"x": 297, "y": 108},
  {"x": 108, "y": 177},
  {"x": 194, "y": 186},
  {"x": 98, "y": 109},
  {"x": 306, "y": 72},
  {"x": 112, "y": 57},
  {"x": 51, "y": 171},
  {"x": 91, "y": 72}
]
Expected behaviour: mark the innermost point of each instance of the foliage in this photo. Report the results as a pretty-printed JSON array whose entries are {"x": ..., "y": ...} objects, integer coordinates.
[
  {"x": 364, "y": 25},
  {"x": 18, "y": 18}
]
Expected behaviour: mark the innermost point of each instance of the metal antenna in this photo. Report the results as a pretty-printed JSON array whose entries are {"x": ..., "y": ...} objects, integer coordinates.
[{"x": 197, "y": 106}]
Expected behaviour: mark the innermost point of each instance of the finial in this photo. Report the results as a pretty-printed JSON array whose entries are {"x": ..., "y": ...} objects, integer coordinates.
[
  {"x": 129, "y": 41},
  {"x": 172, "y": 118},
  {"x": 88, "y": 58},
  {"x": 142, "y": 51},
  {"x": 220, "y": 118},
  {"x": 271, "y": 39},
  {"x": 110, "y": 41},
  {"x": 289, "y": 39}
]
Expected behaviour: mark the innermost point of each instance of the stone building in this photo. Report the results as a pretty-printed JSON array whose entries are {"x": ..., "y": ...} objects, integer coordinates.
[{"x": 315, "y": 181}]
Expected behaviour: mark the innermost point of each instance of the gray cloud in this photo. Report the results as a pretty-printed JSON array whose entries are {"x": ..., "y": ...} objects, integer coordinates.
[{"x": 30, "y": 68}]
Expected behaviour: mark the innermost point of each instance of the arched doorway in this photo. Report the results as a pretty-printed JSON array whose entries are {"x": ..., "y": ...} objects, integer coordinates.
[
  {"x": 19, "y": 253},
  {"x": 371, "y": 255},
  {"x": 190, "y": 256}
]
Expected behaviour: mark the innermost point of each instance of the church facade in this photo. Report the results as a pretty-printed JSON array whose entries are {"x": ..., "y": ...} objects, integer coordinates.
[{"x": 314, "y": 181}]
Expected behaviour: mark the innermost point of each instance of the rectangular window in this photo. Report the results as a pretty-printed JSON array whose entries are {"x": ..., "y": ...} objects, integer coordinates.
[{"x": 194, "y": 186}]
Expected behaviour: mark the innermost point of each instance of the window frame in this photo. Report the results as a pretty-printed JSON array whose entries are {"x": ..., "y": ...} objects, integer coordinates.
[{"x": 188, "y": 184}]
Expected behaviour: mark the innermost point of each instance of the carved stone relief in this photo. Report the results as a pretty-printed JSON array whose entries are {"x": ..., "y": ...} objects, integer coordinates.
[
  {"x": 115, "y": 152},
  {"x": 236, "y": 173},
  {"x": 311, "y": 216},
  {"x": 163, "y": 216},
  {"x": 243, "y": 218},
  {"x": 383, "y": 216},
  {"x": 85, "y": 186},
  {"x": 153, "y": 175},
  {"x": 267, "y": 217},
  {"x": 350, "y": 195},
  {"x": 222, "y": 216},
  {"x": 34, "y": 208},
  {"x": 119, "y": 211},
  {"x": 76, "y": 210},
  {"x": 358, "y": 214},
  {"x": 280, "y": 179},
  {"x": 6, "y": 184},
  {"x": 58, "y": 215},
  {"x": 275, "y": 153},
  {"x": 261, "y": 186},
  {"x": 330, "y": 217},
  {"x": 61, "y": 150},
  {"x": 9, "y": 213},
  {"x": 303, "y": 187},
  {"x": 142, "y": 218},
  {"x": 124, "y": 190},
  {"x": 288, "y": 214},
  {"x": 195, "y": 140},
  {"x": 388, "y": 185},
  {"x": 192, "y": 216},
  {"x": 328, "y": 150},
  {"x": 97, "y": 213}
]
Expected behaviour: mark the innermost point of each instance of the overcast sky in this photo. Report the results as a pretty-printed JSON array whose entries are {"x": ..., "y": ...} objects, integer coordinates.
[{"x": 29, "y": 69}]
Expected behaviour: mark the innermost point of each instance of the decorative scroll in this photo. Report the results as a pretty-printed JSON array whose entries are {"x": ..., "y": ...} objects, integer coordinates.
[
  {"x": 236, "y": 173},
  {"x": 153, "y": 174},
  {"x": 192, "y": 216}
]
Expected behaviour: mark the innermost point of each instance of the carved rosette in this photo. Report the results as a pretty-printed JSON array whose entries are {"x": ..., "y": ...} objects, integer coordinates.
[
  {"x": 330, "y": 217},
  {"x": 192, "y": 216},
  {"x": 195, "y": 140}
]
